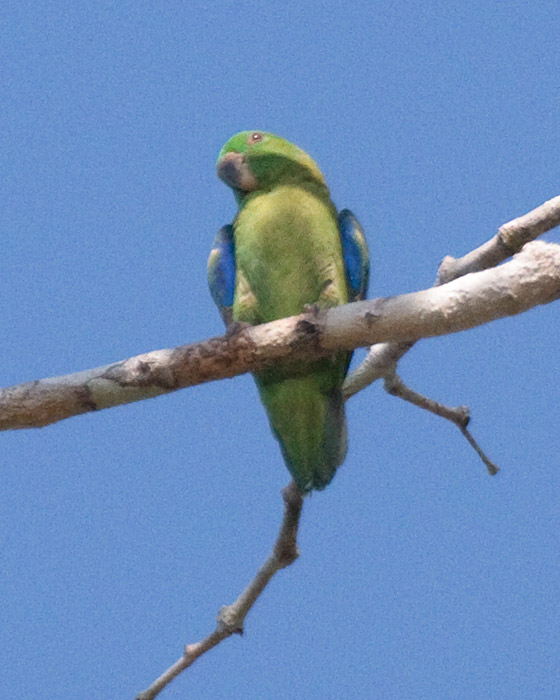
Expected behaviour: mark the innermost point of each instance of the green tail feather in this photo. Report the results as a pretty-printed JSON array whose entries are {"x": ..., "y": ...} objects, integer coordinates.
[{"x": 307, "y": 417}]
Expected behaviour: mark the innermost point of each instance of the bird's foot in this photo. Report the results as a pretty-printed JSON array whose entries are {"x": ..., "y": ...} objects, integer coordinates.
[
  {"x": 236, "y": 327},
  {"x": 312, "y": 309}
]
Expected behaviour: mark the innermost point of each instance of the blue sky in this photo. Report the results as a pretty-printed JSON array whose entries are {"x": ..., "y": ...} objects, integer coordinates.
[{"x": 122, "y": 533}]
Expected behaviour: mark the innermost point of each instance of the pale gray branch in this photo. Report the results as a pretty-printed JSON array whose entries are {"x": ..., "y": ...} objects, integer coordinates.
[
  {"x": 531, "y": 278},
  {"x": 232, "y": 617},
  {"x": 458, "y": 415},
  {"x": 394, "y": 385},
  {"x": 490, "y": 465},
  {"x": 392, "y": 325},
  {"x": 511, "y": 238}
]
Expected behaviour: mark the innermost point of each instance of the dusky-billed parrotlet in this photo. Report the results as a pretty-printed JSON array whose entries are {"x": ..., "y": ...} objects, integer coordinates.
[{"x": 289, "y": 248}]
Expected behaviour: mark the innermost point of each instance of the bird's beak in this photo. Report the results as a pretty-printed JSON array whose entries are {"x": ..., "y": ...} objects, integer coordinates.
[{"x": 234, "y": 171}]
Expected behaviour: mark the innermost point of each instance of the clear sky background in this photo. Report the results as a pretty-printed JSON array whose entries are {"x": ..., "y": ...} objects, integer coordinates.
[{"x": 122, "y": 533}]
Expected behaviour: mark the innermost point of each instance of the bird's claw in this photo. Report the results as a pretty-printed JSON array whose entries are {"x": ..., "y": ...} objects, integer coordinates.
[
  {"x": 312, "y": 309},
  {"x": 236, "y": 327}
]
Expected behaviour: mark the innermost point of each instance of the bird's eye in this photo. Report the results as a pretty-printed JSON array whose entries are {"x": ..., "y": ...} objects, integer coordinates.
[{"x": 255, "y": 137}]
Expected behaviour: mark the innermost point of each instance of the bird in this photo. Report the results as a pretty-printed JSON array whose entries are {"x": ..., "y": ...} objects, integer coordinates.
[{"x": 289, "y": 250}]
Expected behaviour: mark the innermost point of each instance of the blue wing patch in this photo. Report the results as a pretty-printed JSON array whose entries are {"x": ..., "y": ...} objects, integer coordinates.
[
  {"x": 221, "y": 271},
  {"x": 355, "y": 253}
]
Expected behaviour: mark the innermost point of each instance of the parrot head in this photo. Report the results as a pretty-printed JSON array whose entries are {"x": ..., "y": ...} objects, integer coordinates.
[{"x": 256, "y": 160}]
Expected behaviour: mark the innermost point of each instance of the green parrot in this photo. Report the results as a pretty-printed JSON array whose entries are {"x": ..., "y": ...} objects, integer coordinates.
[{"x": 289, "y": 249}]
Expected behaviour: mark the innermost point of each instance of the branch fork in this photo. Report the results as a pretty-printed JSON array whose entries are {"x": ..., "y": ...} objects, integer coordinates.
[
  {"x": 381, "y": 362},
  {"x": 390, "y": 326}
]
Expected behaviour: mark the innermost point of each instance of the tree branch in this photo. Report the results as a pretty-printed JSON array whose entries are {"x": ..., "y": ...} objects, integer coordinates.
[
  {"x": 458, "y": 301},
  {"x": 531, "y": 278},
  {"x": 231, "y": 617},
  {"x": 510, "y": 239},
  {"x": 458, "y": 415}
]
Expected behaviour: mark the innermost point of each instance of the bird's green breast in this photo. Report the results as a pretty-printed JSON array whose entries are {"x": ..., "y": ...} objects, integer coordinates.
[{"x": 288, "y": 254}]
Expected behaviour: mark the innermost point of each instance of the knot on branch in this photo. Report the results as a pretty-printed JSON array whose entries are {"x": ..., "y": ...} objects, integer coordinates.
[
  {"x": 229, "y": 620},
  {"x": 143, "y": 371},
  {"x": 286, "y": 550},
  {"x": 370, "y": 318},
  {"x": 286, "y": 553},
  {"x": 306, "y": 331}
]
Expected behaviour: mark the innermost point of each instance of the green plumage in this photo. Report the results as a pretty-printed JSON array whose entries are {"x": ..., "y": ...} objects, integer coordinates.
[{"x": 288, "y": 255}]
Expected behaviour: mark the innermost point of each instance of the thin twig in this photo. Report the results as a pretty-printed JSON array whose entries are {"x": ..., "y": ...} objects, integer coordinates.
[
  {"x": 458, "y": 415},
  {"x": 493, "y": 468},
  {"x": 232, "y": 617}
]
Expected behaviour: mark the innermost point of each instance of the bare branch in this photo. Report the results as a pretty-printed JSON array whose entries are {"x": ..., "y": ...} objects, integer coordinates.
[
  {"x": 393, "y": 325},
  {"x": 531, "y": 278},
  {"x": 381, "y": 358},
  {"x": 459, "y": 415},
  {"x": 490, "y": 465},
  {"x": 511, "y": 237},
  {"x": 232, "y": 617},
  {"x": 395, "y": 386}
]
